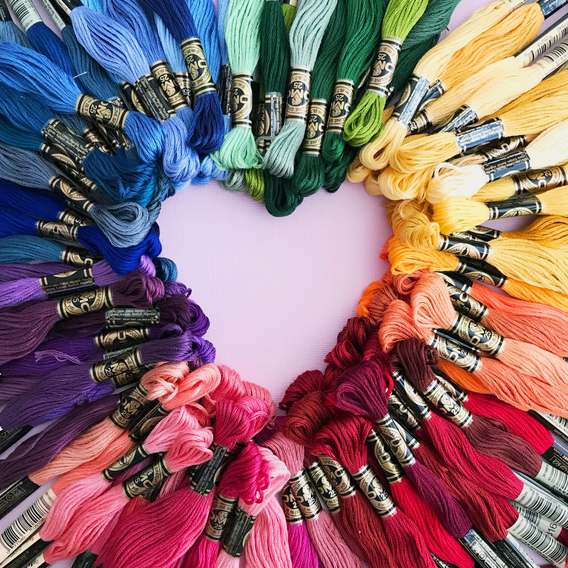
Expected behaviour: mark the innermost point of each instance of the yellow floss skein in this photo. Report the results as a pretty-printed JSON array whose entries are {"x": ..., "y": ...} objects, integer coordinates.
[
  {"x": 375, "y": 155},
  {"x": 395, "y": 185}
]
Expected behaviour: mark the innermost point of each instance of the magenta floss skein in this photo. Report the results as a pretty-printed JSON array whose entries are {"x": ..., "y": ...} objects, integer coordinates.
[{"x": 24, "y": 329}]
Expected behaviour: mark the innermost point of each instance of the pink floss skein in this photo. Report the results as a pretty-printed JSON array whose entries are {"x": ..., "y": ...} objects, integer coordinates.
[
  {"x": 228, "y": 557},
  {"x": 246, "y": 478},
  {"x": 327, "y": 541},
  {"x": 230, "y": 386},
  {"x": 80, "y": 494},
  {"x": 162, "y": 532},
  {"x": 191, "y": 447}
]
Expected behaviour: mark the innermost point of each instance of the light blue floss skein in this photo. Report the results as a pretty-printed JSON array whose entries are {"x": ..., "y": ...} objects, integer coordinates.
[
  {"x": 31, "y": 72},
  {"x": 242, "y": 32},
  {"x": 306, "y": 35},
  {"x": 8, "y": 29},
  {"x": 124, "y": 225}
]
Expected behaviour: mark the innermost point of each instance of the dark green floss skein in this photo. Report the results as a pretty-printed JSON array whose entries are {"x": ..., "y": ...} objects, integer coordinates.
[
  {"x": 336, "y": 171},
  {"x": 364, "y": 19},
  {"x": 435, "y": 19},
  {"x": 310, "y": 172},
  {"x": 408, "y": 59}
]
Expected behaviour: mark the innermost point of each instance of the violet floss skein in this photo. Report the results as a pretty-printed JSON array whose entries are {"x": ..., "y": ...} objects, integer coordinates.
[
  {"x": 24, "y": 329},
  {"x": 19, "y": 270}
]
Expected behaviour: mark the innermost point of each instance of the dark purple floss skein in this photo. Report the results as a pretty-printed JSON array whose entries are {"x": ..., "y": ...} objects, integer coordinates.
[
  {"x": 24, "y": 329},
  {"x": 18, "y": 270},
  {"x": 38, "y": 450}
]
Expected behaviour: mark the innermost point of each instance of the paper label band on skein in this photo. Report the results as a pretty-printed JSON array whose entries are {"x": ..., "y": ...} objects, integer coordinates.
[
  {"x": 409, "y": 103},
  {"x": 238, "y": 532},
  {"x": 545, "y": 525},
  {"x": 129, "y": 407},
  {"x": 466, "y": 304},
  {"x": 529, "y": 534},
  {"x": 543, "y": 43},
  {"x": 219, "y": 517},
  {"x": 69, "y": 142},
  {"x": 84, "y": 303},
  {"x": 538, "y": 180},
  {"x": 400, "y": 411},
  {"x": 25, "y": 553},
  {"x": 456, "y": 339},
  {"x": 306, "y": 496},
  {"x": 340, "y": 105},
  {"x": 291, "y": 508},
  {"x": 517, "y": 207},
  {"x": 469, "y": 137},
  {"x": 371, "y": 487},
  {"x": 419, "y": 123},
  {"x": 315, "y": 127},
  {"x": 142, "y": 428},
  {"x": 145, "y": 479},
  {"x": 9, "y": 437},
  {"x": 502, "y": 148},
  {"x": 25, "y": 12},
  {"x": 447, "y": 405},
  {"x": 109, "y": 340},
  {"x": 463, "y": 117},
  {"x": 324, "y": 487},
  {"x": 506, "y": 166},
  {"x": 557, "y": 423},
  {"x": 339, "y": 476},
  {"x": 395, "y": 442},
  {"x": 242, "y": 101},
  {"x": 133, "y": 457},
  {"x": 392, "y": 470},
  {"x": 536, "y": 499},
  {"x": 464, "y": 247},
  {"x": 77, "y": 257},
  {"x": 103, "y": 112},
  {"x": 5, "y": 15},
  {"x": 197, "y": 67},
  {"x": 414, "y": 398},
  {"x": 477, "y": 334},
  {"x": 548, "y": 7},
  {"x": 435, "y": 91},
  {"x": 116, "y": 366},
  {"x": 207, "y": 475},
  {"x": 453, "y": 279},
  {"x": 553, "y": 60},
  {"x": 441, "y": 563},
  {"x": 456, "y": 354},
  {"x": 481, "y": 271},
  {"x": 557, "y": 456},
  {"x": 15, "y": 494},
  {"x": 130, "y": 98},
  {"x": 57, "y": 231},
  {"x": 273, "y": 119},
  {"x": 510, "y": 551},
  {"x": 132, "y": 317},
  {"x": 79, "y": 278},
  {"x": 71, "y": 193},
  {"x": 151, "y": 97},
  {"x": 384, "y": 67},
  {"x": 554, "y": 479},
  {"x": 298, "y": 94},
  {"x": 55, "y": 15},
  {"x": 457, "y": 393},
  {"x": 70, "y": 217},
  {"x": 224, "y": 88},
  {"x": 168, "y": 84},
  {"x": 184, "y": 84},
  {"x": 481, "y": 551}
]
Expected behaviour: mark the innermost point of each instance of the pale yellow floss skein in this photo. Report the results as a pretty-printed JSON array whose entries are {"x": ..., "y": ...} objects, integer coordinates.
[{"x": 375, "y": 155}]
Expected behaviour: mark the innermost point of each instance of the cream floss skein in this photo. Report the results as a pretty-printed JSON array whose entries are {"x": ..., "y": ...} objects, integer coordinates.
[
  {"x": 242, "y": 33},
  {"x": 306, "y": 35},
  {"x": 548, "y": 149},
  {"x": 376, "y": 155},
  {"x": 439, "y": 111}
]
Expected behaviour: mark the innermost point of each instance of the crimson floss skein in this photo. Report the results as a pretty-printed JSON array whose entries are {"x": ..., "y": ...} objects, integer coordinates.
[
  {"x": 24, "y": 329},
  {"x": 277, "y": 474},
  {"x": 344, "y": 439},
  {"x": 246, "y": 478},
  {"x": 183, "y": 515},
  {"x": 328, "y": 542}
]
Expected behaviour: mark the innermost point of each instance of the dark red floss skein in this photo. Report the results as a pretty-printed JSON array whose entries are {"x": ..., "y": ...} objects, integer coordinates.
[
  {"x": 357, "y": 331},
  {"x": 361, "y": 390},
  {"x": 344, "y": 439},
  {"x": 307, "y": 382},
  {"x": 306, "y": 418},
  {"x": 483, "y": 435}
]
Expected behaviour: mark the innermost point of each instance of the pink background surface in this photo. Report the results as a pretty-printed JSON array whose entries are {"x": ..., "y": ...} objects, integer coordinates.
[{"x": 277, "y": 291}]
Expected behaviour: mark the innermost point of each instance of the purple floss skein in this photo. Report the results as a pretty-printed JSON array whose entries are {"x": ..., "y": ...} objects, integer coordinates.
[
  {"x": 38, "y": 450},
  {"x": 61, "y": 391},
  {"x": 55, "y": 353},
  {"x": 19, "y": 270},
  {"x": 23, "y": 329}
]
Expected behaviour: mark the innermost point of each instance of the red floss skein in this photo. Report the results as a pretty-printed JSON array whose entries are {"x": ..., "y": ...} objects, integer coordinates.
[
  {"x": 361, "y": 391},
  {"x": 245, "y": 479},
  {"x": 307, "y": 382},
  {"x": 78, "y": 497},
  {"x": 259, "y": 544},
  {"x": 189, "y": 447},
  {"x": 327, "y": 540},
  {"x": 437, "y": 538},
  {"x": 433, "y": 308},
  {"x": 305, "y": 418},
  {"x": 163, "y": 531},
  {"x": 344, "y": 439}
]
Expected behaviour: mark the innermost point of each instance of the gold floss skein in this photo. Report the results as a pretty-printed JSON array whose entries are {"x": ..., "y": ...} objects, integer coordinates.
[{"x": 375, "y": 155}]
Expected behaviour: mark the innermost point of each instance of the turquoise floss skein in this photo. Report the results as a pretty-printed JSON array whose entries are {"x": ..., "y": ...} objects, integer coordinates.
[
  {"x": 242, "y": 33},
  {"x": 306, "y": 36}
]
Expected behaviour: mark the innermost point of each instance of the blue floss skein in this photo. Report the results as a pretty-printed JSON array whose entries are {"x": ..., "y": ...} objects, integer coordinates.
[
  {"x": 119, "y": 177},
  {"x": 207, "y": 132},
  {"x": 166, "y": 269},
  {"x": 23, "y": 139},
  {"x": 28, "y": 248},
  {"x": 115, "y": 48},
  {"x": 9, "y": 31},
  {"x": 125, "y": 224},
  {"x": 121, "y": 260},
  {"x": 129, "y": 14}
]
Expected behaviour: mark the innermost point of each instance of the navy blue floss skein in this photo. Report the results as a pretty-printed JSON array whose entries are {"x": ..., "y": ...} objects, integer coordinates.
[
  {"x": 116, "y": 49},
  {"x": 124, "y": 225},
  {"x": 8, "y": 29},
  {"x": 207, "y": 132},
  {"x": 121, "y": 260}
]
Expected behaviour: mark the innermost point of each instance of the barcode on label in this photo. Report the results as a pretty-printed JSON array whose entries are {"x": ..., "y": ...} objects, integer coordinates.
[
  {"x": 544, "y": 524},
  {"x": 540, "y": 542},
  {"x": 542, "y": 44},
  {"x": 53, "y": 14},
  {"x": 27, "y": 523},
  {"x": 554, "y": 59},
  {"x": 554, "y": 479},
  {"x": 26, "y": 13},
  {"x": 541, "y": 503}
]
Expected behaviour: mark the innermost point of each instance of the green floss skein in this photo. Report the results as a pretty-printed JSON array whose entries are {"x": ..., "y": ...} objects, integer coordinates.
[
  {"x": 367, "y": 118},
  {"x": 364, "y": 18},
  {"x": 336, "y": 171},
  {"x": 235, "y": 181},
  {"x": 409, "y": 57},
  {"x": 305, "y": 39},
  {"x": 242, "y": 33},
  {"x": 289, "y": 10},
  {"x": 254, "y": 179},
  {"x": 435, "y": 20},
  {"x": 310, "y": 171}
]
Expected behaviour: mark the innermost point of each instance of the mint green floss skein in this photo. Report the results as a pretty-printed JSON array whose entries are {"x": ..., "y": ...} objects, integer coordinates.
[
  {"x": 305, "y": 39},
  {"x": 242, "y": 33},
  {"x": 367, "y": 118},
  {"x": 310, "y": 171}
]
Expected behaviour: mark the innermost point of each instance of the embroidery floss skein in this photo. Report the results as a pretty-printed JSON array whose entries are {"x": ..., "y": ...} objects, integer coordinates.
[
  {"x": 9, "y": 30},
  {"x": 306, "y": 36}
]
